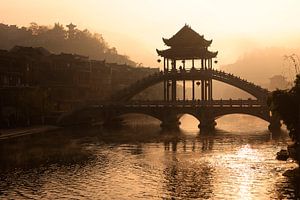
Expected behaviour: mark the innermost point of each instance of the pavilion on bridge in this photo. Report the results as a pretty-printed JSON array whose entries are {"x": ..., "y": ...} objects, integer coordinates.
[{"x": 187, "y": 45}]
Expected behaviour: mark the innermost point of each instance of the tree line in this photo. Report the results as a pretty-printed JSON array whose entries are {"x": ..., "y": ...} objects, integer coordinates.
[{"x": 59, "y": 39}]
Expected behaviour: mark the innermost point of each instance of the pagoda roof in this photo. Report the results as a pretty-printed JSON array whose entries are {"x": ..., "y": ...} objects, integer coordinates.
[
  {"x": 187, "y": 53},
  {"x": 71, "y": 26},
  {"x": 186, "y": 36}
]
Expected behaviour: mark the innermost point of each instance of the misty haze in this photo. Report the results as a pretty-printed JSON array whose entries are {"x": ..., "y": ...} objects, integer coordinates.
[{"x": 133, "y": 99}]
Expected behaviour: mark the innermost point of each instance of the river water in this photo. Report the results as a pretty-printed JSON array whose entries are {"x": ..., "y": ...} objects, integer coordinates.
[{"x": 143, "y": 162}]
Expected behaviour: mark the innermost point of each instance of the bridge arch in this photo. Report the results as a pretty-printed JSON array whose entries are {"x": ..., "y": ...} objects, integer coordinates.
[
  {"x": 138, "y": 114},
  {"x": 189, "y": 121},
  {"x": 137, "y": 87},
  {"x": 263, "y": 116},
  {"x": 242, "y": 124},
  {"x": 192, "y": 114}
]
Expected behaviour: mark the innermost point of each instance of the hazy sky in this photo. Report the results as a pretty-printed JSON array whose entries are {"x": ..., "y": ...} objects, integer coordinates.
[{"x": 136, "y": 27}]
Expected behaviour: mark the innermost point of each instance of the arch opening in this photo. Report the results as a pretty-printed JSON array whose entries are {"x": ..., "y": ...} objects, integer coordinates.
[
  {"x": 242, "y": 123},
  {"x": 188, "y": 123},
  {"x": 135, "y": 119}
]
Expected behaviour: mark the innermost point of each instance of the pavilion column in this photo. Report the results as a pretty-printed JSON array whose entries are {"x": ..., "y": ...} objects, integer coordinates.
[
  {"x": 167, "y": 65},
  {"x": 173, "y": 90},
  {"x": 202, "y": 81},
  {"x": 193, "y": 82},
  {"x": 202, "y": 89},
  {"x": 183, "y": 90},
  {"x": 205, "y": 88},
  {"x": 165, "y": 90},
  {"x": 183, "y": 63},
  {"x": 164, "y": 64},
  {"x": 211, "y": 94},
  {"x": 168, "y": 90},
  {"x": 174, "y": 82},
  {"x": 165, "y": 82},
  {"x": 208, "y": 90},
  {"x": 211, "y": 87},
  {"x": 193, "y": 90}
]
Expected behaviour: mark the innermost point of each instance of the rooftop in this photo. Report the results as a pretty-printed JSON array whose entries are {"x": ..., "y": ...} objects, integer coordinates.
[
  {"x": 187, "y": 44},
  {"x": 186, "y": 36}
]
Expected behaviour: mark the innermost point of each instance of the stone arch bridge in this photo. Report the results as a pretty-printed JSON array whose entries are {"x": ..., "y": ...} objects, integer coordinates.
[
  {"x": 180, "y": 75},
  {"x": 206, "y": 111}
]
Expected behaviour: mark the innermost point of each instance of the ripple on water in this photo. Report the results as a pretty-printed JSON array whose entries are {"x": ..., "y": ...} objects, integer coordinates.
[{"x": 180, "y": 166}]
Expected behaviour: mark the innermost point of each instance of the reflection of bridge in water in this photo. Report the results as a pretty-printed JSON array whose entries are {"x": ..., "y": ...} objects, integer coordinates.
[{"x": 187, "y": 46}]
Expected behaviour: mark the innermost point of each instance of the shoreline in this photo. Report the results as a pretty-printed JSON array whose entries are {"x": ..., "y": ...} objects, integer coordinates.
[{"x": 6, "y": 134}]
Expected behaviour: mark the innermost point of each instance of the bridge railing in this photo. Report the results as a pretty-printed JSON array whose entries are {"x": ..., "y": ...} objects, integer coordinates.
[
  {"x": 215, "y": 72},
  {"x": 203, "y": 71},
  {"x": 138, "y": 83},
  {"x": 206, "y": 72},
  {"x": 189, "y": 103}
]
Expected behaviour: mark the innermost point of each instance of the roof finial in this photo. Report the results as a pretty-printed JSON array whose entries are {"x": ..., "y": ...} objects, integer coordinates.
[{"x": 186, "y": 25}]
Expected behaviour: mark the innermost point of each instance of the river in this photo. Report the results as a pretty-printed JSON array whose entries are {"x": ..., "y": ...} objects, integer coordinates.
[{"x": 143, "y": 162}]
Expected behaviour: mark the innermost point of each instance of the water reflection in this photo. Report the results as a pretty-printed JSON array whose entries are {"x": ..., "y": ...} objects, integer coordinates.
[
  {"x": 143, "y": 162},
  {"x": 35, "y": 150},
  {"x": 185, "y": 180}
]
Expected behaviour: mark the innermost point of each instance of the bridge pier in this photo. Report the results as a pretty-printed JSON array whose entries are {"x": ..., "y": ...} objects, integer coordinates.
[
  {"x": 207, "y": 119},
  {"x": 170, "y": 123},
  {"x": 207, "y": 124}
]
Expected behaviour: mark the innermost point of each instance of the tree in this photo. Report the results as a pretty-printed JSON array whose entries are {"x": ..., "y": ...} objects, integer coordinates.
[
  {"x": 57, "y": 40},
  {"x": 286, "y": 103}
]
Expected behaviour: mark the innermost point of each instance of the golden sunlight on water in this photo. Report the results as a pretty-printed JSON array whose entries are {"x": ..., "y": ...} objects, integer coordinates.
[
  {"x": 143, "y": 162},
  {"x": 230, "y": 123}
]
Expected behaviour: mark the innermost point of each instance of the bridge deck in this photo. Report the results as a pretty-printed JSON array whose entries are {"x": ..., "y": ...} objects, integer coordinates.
[
  {"x": 200, "y": 110},
  {"x": 168, "y": 111},
  {"x": 188, "y": 103},
  {"x": 194, "y": 74}
]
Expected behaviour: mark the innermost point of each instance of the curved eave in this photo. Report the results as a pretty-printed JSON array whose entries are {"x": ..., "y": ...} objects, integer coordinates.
[
  {"x": 208, "y": 42},
  {"x": 214, "y": 54},
  {"x": 181, "y": 43},
  {"x": 185, "y": 55},
  {"x": 159, "y": 52},
  {"x": 167, "y": 42}
]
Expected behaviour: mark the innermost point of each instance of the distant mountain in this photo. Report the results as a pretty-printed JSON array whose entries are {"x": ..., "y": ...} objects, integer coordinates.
[
  {"x": 59, "y": 39},
  {"x": 267, "y": 67},
  {"x": 260, "y": 65}
]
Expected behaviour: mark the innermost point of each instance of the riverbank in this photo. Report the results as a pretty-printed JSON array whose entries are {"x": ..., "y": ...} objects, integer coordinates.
[{"x": 6, "y": 134}]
